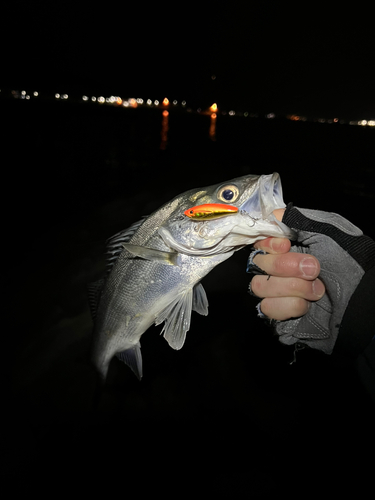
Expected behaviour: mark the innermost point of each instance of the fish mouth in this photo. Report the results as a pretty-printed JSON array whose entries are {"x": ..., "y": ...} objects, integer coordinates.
[{"x": 267, "y": 197}]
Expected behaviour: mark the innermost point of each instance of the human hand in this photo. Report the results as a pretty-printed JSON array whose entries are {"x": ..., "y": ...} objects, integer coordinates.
[
  {"x": 292, "y": 281},
  {"x": 344, "y": 254}
]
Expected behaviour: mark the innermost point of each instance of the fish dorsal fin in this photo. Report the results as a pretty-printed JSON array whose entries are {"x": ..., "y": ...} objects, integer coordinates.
[
  {"x": 133, "y": 358},
  {"x": 94, "y": 291},
  {"x": 115, "y": 243},
  {"x": 176, "y": 316}
]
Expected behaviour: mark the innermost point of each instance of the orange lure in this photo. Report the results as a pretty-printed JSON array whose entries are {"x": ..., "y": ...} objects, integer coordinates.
[{"x": 210, "y": 211}]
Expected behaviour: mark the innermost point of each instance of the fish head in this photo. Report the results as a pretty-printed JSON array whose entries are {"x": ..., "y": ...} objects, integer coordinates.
[{"x": 256, "y": 197}]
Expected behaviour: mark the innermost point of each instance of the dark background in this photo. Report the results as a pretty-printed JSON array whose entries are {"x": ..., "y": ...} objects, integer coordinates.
[{"x": 228, "y": 409}]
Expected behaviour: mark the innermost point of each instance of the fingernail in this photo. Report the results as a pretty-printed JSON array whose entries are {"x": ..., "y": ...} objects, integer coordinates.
[
  {"x": 318, "y": 288},
  {"x": 308, "y": 267}
]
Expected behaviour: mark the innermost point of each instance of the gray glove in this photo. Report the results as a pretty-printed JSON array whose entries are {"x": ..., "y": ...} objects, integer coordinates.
[{"x": 345, "y": 254}]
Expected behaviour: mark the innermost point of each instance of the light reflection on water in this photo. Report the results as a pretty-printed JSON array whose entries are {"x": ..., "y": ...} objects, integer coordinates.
[
  {"x": 165, "y": 125},
  {"x": 212, "y": 131},
  {"x": 164, "y": 129}
]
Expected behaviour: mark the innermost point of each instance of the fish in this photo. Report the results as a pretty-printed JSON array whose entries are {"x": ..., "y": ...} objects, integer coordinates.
[
  {"x": 210, "y": 211},
  {"x": 155, "y": 267}
]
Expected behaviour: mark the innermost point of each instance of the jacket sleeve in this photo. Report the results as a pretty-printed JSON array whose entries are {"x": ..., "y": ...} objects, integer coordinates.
[{"x": 356, "y": 337}]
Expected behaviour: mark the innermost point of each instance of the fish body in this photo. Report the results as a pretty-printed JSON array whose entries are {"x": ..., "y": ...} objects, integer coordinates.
[
  {"x": 156, "y": 266},
  {"x": 210, "y": 211}
]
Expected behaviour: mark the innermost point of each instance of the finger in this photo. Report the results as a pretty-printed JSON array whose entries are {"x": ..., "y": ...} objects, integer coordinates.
[
  {"x": 263, "y": 286},
  {"x": 290, "y": 264},
  {"x": 283, "y": 308},
  {"x": 273, "y": 245}
]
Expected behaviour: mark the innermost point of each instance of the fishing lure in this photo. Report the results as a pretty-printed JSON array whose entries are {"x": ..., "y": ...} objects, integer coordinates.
[{"x": 210, "y": 211}]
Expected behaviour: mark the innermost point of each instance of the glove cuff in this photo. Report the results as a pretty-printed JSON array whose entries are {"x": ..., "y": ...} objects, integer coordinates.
[{"x": 360, "y": 247}]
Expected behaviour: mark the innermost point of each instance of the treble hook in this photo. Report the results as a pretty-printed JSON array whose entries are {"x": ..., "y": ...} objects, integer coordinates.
[{"x": 246, "y": 214}]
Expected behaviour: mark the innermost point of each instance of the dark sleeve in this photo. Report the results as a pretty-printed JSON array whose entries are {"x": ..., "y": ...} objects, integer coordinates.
[{"x": 356, "y": 337}]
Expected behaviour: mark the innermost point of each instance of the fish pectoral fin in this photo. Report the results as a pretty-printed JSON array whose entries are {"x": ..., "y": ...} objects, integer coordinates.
[
  {"x": 200, "y": 302},
  {"x": 168, "y": 258},
  {"x": 133, "y": 358},
  {"x": 177, "y": 319}
]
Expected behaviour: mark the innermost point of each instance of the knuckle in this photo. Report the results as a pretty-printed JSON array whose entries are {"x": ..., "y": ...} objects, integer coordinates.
[
  {"x": 295, "y": 285},
  {"x": 299, "y": 306},
  {"x": 256, "y": 285},
  {"x": 285, "y": 264},
  {"x": 267, "y": 307}
]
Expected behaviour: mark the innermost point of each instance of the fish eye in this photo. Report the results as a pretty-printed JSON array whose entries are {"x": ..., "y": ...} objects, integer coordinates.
[{"x": 228, "y": 193}]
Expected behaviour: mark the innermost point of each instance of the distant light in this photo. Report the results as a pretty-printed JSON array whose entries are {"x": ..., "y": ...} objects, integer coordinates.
[
  {"x": 35, "y": 94},
  {"x": 119, "y": 101},
  {"x": 149, "y": 102},
  {"x": 165, "y": 113},
  {"x": 64, "y": 96},
  {"x": 125, "y": 104},
  {"x": 93, "y": 98},
  {"x": 27, "y": 96},
  {"x": 213, "y": 115},
  {"x": 362, "y": 122},
  {"x": 156, "y": 103},
  {"x": 270, "y": 116},
  {"x": 57, "y": 96},
  {"x": 335, "y": 120},
  {"x": 139, "y": 100},
  {"x": 101, "y": 99},
  {"x": 165, "y": 101},
  {"x": 371, "y": 123},
  {"x": 23, "y": 92},
  {"x": 85, "y": 98},
  {"x": 232, "y": 113},
  {"x": 213, "y": 77},
  {"x": 199, "y": 110},
  {"x": 133, "y": 102},
  {"x": 107, "y": 100},
  {"x": 214, "y": 107},
  {"x": 174, "y": 103},
  {"x": 183, "y": 103}
]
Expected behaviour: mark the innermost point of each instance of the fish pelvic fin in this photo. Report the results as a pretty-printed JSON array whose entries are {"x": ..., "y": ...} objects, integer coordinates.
[
  {"x": 167, "y": 258},
  {"x": 200, "y": 302},
  {"x": 133, "y": 358},
  {"x": 176, "y": 317}
]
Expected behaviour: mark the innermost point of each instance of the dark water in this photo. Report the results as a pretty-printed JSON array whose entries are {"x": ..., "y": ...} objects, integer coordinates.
[{"x": 75, "y": 175}]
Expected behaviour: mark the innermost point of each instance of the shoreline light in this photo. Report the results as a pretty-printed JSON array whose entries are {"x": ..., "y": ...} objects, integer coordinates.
[{"x": 213, "y": 109}]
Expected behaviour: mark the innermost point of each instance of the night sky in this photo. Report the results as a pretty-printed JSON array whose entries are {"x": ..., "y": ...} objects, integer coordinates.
[{"x": 242, "y": 55}]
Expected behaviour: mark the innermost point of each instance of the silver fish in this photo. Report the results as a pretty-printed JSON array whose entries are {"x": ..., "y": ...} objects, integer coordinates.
[{"x": 155, "y": 266}]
